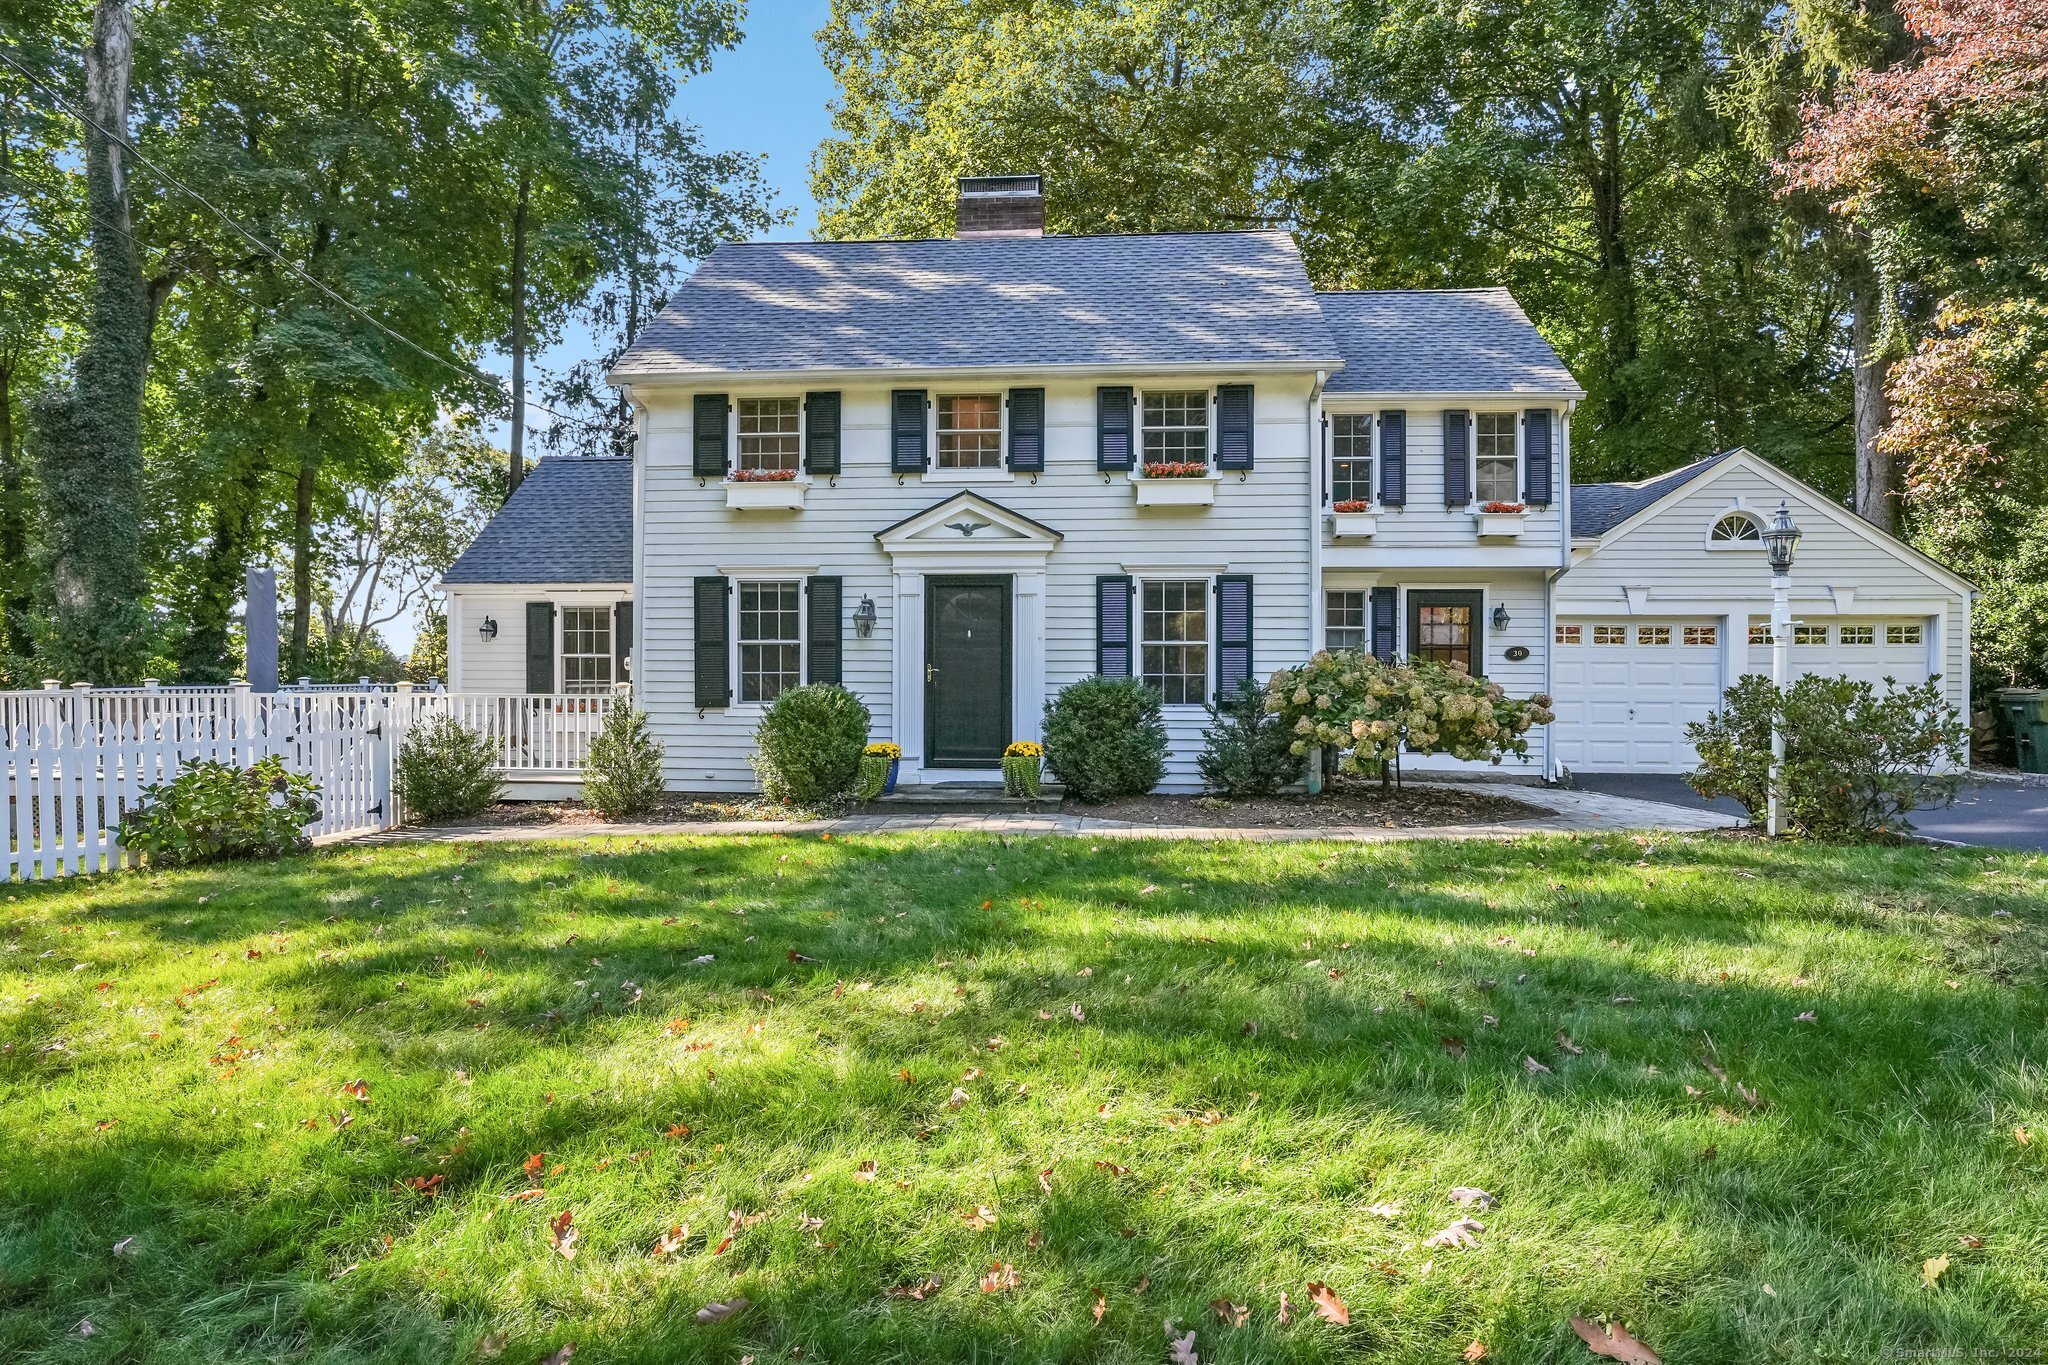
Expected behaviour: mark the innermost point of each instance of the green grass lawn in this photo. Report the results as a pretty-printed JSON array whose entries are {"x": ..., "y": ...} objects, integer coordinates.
[{"x": 1762, "y": 1088}]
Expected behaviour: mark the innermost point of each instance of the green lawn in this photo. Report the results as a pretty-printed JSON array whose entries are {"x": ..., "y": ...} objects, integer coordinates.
[{"x": 1221, "y": 1058}]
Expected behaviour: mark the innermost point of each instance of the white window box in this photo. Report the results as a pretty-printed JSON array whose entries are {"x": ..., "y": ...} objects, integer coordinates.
[
  {"x": 1354, "y": 525},
  {"x": 1196, "y": 492},
  {"x": 777, "y": 495},
  {"x": 1499, "y": 525}
]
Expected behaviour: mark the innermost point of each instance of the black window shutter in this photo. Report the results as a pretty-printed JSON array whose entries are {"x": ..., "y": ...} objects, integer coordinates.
[
  {"x": 708, "y": 448},
  {"x": 1233, "y": 633},
  {"x": 823, "y": 594},
  {"x": 1383, "y": 611},
  {"x": 821, "y": 433},
  {"x": 540, "y": 647},
  {"x": 1536, "y": 456},
  {"x": 1113, "y": 444},
  {"x": 713, "y": 664},
  {"x": 906, "y": 432},
  {"x": 1234, "y": 426},
  {"x": 1027, "y": 431},
  {"x": 1113, "y": 625},
  {"x": 1457, "y": 457},
  {"x": 622, "y": 640},
  {"x": 1394, "y": 458}
]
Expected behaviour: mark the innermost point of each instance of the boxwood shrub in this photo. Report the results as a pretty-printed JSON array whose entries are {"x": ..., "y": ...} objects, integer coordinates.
[{"x": 1105, "y": 738}]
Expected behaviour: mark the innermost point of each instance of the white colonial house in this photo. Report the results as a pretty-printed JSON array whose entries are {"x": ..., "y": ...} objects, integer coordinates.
[{"x": 956, "y": 475}]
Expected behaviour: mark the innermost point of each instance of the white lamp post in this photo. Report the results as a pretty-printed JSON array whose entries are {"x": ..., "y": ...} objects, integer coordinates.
[{"x": 1781, "y": 542}]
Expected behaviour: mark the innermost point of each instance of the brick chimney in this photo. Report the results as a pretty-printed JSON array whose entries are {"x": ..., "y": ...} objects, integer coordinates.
[{"x": 1000, "y": 206}]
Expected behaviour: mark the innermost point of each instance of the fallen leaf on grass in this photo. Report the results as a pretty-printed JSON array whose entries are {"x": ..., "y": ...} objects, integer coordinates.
[
  {"x": 1453, "y": 1045},
  {"x": 1180, "y": 1350},
  {"x": 562, "y": 1356},
  {"x": 866, "y": 1173},
  {"x": 524, "y": 1196},
  {"x": 1045, "y": 1180},
  {"x": 981, "y": 1220},
  {"x": 1386, "y": 1211},
  {"x": 719, "y": 1312},
  {"x": 927, "y": 1286},
  {"x": 1101, "y": 1305},
  {"x": 1807, "y": 1018},
  {"x": 1476, "y": 1351},
  {"x": 533, "y": 1163},
  {"x": 1472, "y": 1194},
  {"x": 1329, "y": 1307},
  {"x": 356, "y": 1090},
  {"x": 1231, "y": 1314},
  {"x": 2022, "y": 1136},
  {"x": 1565, "y": 1043},
  {"x": 1615, "y": 1343},
  {"x": 1458, "y": 1234},
  {"x": 562, "y": 1234},
  {"x": 671, "y": 1241},
  {"x": 1286, "y": 1313},
  {"x": 1534, "y": 1067},
  {"x": 1966, "y": 1240},
  {"x": 126, "y": 1246},
  {"x": 1080, "y": 1015},
  {"x": 1112, "y": 1168},
  {"x": 1932, "y": 1269},
  {"x": 1002, "y": 1275}
]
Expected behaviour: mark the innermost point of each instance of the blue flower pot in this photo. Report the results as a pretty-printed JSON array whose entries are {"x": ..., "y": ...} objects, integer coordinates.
[{"x": 889, "y": 786}]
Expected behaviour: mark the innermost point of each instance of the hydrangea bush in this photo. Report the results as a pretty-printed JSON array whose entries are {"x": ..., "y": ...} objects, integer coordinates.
[{"x": 1369, "y": 710}]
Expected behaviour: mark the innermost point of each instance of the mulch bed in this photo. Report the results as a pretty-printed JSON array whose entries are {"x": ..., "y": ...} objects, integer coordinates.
[{"x": 1343, "y": 803}]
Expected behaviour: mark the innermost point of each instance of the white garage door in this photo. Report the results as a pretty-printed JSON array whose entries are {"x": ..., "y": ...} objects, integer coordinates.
[
  {"x": 1628, "y": 686},
  {"x": 1869, "y": 649},
  {"x": 1626, "y": 689}
]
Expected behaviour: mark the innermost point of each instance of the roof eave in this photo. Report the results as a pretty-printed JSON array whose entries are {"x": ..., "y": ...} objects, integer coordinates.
[
  {"x": 1567, "y": 394},
  {"x": 678, "y": 378}
]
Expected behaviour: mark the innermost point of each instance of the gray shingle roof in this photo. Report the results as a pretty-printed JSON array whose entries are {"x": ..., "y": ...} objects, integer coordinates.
[
  {"x": 570, "y": 522},
  {"x": 1440, "y": 341},
  {"x": 1598, "y": 508},
  {"x": 1171, "y": 298}
]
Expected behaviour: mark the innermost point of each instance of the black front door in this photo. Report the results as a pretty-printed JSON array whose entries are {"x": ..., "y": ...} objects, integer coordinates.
[
  {"x": 966, "y": 671},
  {"x": 1445, "y": 626}
]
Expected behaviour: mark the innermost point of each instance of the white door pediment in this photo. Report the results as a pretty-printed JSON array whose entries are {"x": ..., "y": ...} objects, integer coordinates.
[{"x": 968, "y": 524}]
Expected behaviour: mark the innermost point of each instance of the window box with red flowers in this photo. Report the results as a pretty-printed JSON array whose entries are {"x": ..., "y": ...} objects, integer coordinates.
[
  {"x": 1353, "y": 519},
  {"x": 1177, "y": 483},
  {"x": 1500, "y": 520},
  {"x": 765, "y": 490}
]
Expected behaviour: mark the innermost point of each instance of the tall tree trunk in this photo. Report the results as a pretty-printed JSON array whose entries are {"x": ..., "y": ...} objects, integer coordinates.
[
  {"x": 1621, "y": 342},
  {"x": 206, "y": 655},
  {"x": 1876, "y": 478},
  {"x": 14, "y": 570},
  {"x": 302, "y": 558},
  {"x": 517, "y": 464},
  {"x": 89, "y": 437}
]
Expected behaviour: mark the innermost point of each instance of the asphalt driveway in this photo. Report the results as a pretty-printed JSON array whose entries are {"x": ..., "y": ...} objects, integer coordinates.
[{"x": 2000, "y": 814}]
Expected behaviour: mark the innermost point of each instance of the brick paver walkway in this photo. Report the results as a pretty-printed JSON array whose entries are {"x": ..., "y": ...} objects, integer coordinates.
[{"x": 1569, "y": 812}]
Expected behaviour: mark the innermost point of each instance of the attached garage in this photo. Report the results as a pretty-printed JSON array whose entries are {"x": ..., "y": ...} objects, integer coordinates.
[{"x": 1666, "y": 602}]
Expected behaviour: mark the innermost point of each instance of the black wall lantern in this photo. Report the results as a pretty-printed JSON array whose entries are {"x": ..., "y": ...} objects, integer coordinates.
[
  {"x": 489, "y": 629},
  {"x": 864, "y": 617},
  {"x": 1501, "y": 617}
]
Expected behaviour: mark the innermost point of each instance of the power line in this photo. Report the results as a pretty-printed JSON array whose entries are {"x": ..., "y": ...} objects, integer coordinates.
[{"x": 473, "y": 375}]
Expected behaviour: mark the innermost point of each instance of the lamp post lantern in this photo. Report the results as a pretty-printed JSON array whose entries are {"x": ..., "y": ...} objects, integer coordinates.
[{"x": 1781, "y": 543}]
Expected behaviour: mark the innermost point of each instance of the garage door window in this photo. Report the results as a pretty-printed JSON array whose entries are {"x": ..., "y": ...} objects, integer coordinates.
[
  {"x": 1809, "y": 635},
  {"x": 1759, "y": 632},
  {"x": 1902, "y": 635},
  {"x": 1568, "y": 635},
  {"x": 1859, "y": 635},
  {"x": 1653, "y": 635},
  {"x": 1702, "y": 635},
  {"x": 1610, "y": 635}
]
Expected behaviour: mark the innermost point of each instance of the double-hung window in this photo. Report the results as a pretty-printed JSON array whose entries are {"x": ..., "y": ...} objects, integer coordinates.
[
  {"x": 1176, "y": 427},
  {"x": 970, "y": 431},
  {"x": 1496, "y": 474},
  {"x": 1351, "y": 457},
  {"x": 770, "y": 639},
  {"x": 1345, "y": 622},
  {"x": 586, "y": 649},
  {"x": 768, "y": 432},
  {"x": 1174, "y": 639}
]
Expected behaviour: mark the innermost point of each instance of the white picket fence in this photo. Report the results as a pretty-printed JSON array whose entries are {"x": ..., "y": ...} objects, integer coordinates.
[{"x": 74, "y": 760}]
